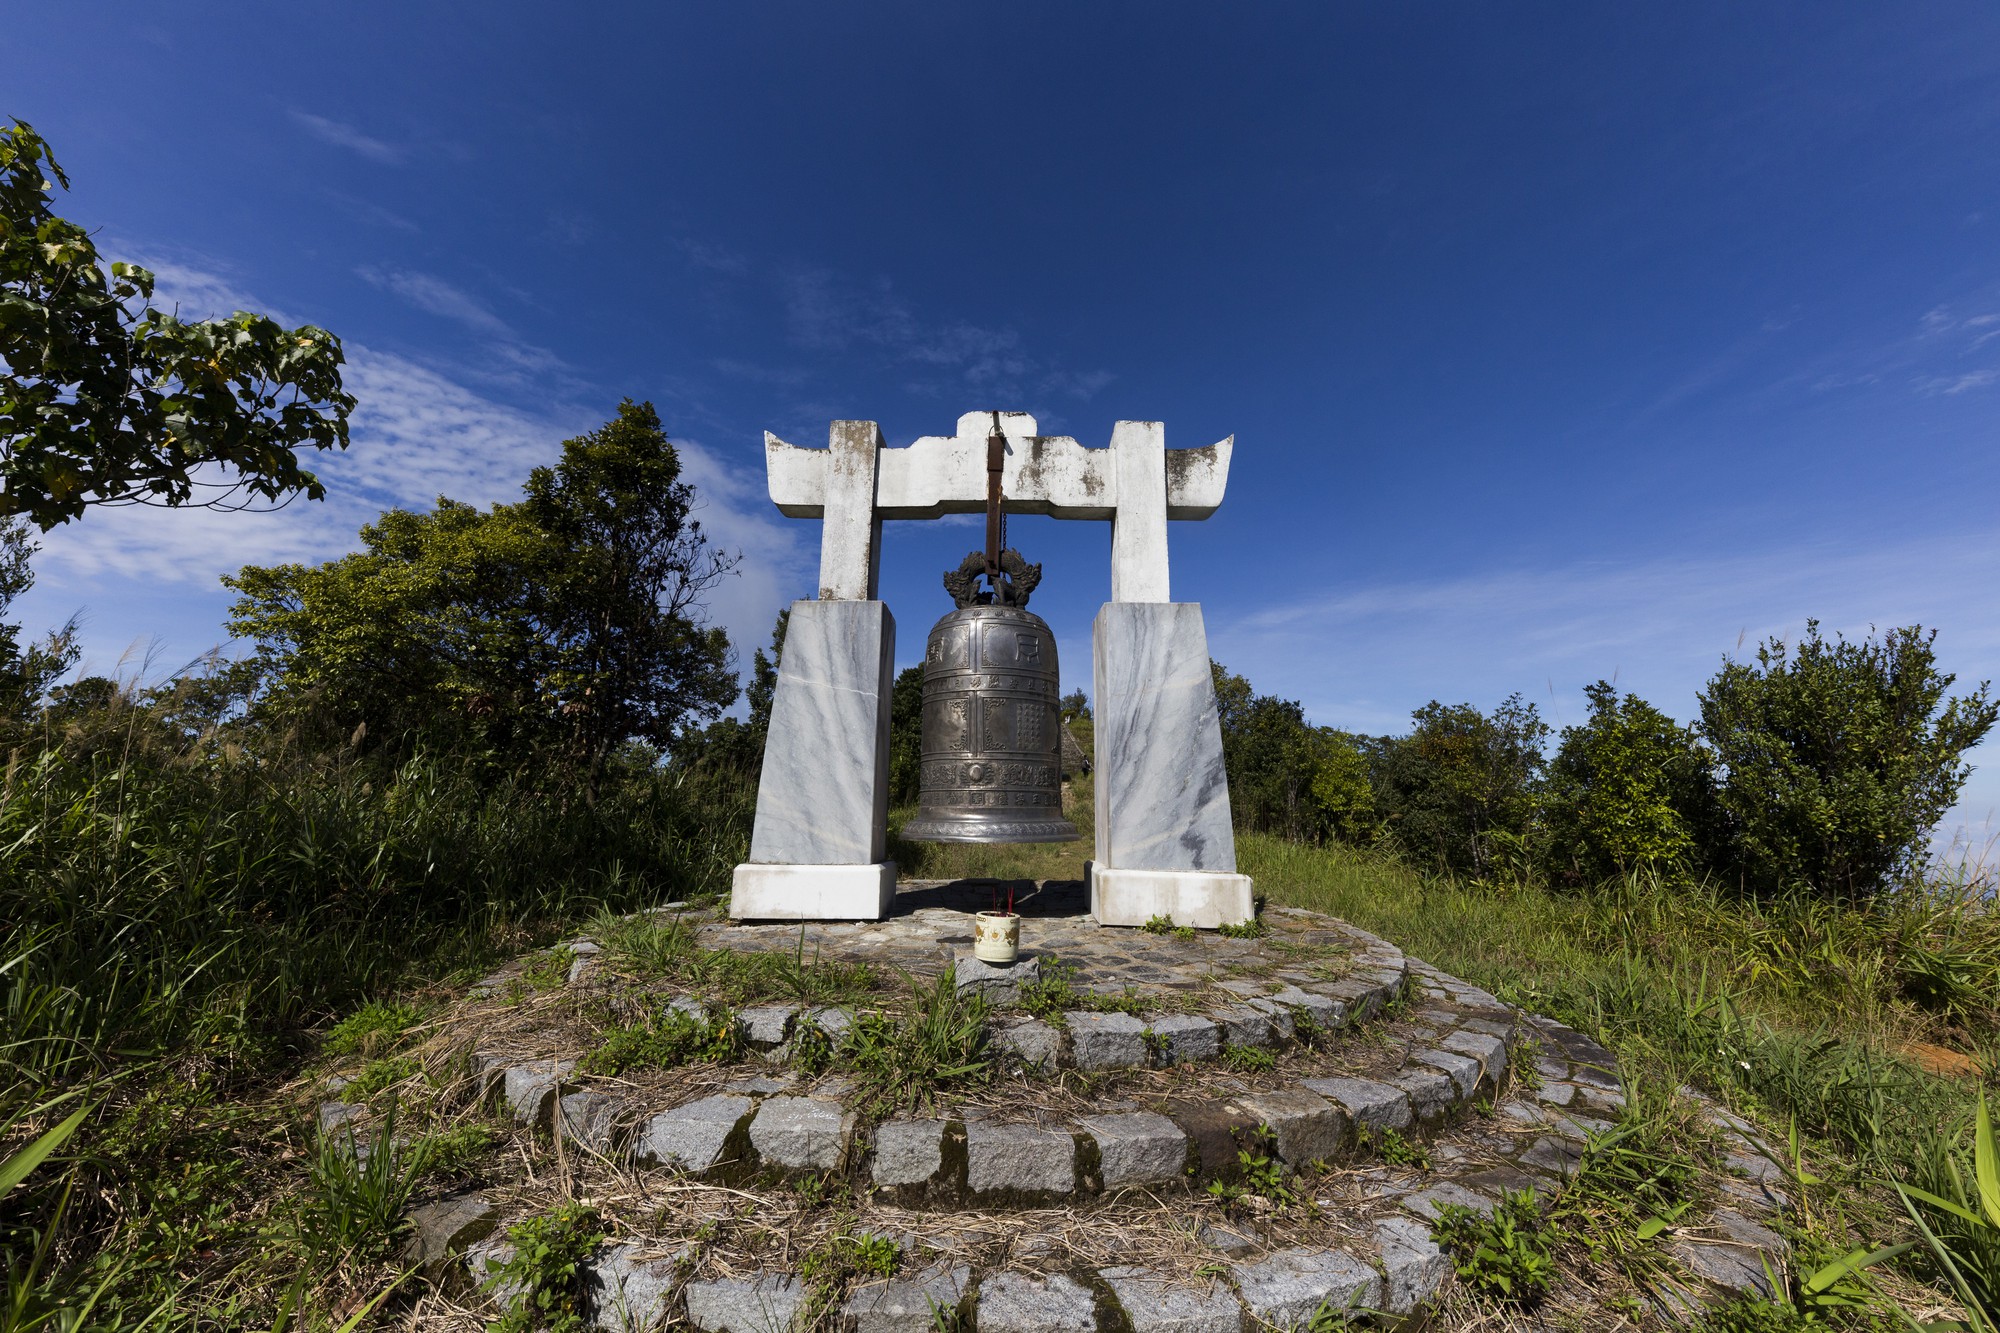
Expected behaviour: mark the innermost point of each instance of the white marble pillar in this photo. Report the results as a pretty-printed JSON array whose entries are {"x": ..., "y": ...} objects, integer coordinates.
[
  {"x": 1165, "y": 846},
  {"x": 817, "y": 848}
]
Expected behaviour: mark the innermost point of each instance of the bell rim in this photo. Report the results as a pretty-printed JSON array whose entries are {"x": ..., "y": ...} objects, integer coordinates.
[{"x": 933, "y": 829}]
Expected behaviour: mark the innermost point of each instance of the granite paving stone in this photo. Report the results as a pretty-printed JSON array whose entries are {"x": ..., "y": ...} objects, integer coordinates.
[
  {"x": 1106, "y": 1041},
  {"x": 1431, "y": 1092},
  {"x": 1154, "y": 1305},
  {"x": 1372, "y": 1106},
  {"x": 908, "y": 1152},
  {"x": 1137, "y": 1147},
  {"x": 1185, "y": 1038},
  {"x": 1463, "y": 1069},
  {"x": 1412, "y": 1264},
  {"x": 1016, "y": 1303},
  {"x": 630, "y": 1286},
  {"x": 1287, "y": 1290},
  {"x": 1019, "y": 1158},
  {"x": 801, "y": 1133},
  {"x": 763, "y": 1304},
  {"x": 908, "y": 1304},
  {"x": 693, "y": 1136},
  {"x": 1307, "y": 1127}
]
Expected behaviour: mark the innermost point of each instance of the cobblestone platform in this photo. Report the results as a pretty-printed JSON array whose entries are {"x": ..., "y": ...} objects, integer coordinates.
[{"x": 1082, "y": 1189}]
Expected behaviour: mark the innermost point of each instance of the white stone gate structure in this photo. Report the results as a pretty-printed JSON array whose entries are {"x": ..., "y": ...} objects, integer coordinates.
[{"x": 1165, "y": 846}]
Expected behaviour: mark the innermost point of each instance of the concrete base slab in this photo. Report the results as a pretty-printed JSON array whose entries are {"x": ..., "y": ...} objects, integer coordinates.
[
  {"x": 812, "y": 893},
  {"x": 1200, "y": 898}
]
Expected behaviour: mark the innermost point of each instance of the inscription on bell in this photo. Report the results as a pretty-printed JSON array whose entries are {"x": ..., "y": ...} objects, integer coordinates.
[{"x": 991, "y": 759}]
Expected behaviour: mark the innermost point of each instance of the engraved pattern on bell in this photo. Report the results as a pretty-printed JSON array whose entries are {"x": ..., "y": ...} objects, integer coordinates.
[{"x": 991, "y": 760}]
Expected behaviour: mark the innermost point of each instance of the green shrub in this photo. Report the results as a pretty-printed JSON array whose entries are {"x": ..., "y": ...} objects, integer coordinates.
[
  {"x": 1627, "y": 790},
  {"x": 1837, "y": 759},
  {"x": 1459, "y": 792}
]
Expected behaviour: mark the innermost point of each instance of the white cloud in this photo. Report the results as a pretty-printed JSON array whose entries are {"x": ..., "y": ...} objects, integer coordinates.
[
  {"x": 416, "y": 433},
  {"x": 342, "y": 135}
]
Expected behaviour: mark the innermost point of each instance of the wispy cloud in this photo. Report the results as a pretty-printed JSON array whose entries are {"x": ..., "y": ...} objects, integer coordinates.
[
  {"x": 438, "y": 297},
  {"x": 342, "y": 135},
  {"x": 370, "y": 213},
  {"x": 827, "y": 314}
]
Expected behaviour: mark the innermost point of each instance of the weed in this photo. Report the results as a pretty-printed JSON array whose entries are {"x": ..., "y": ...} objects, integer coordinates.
[
  {"x": 1260, "y": 1174},
  {"x": 379, "y": 1074},
  {"x": 1250, "y": 1059},
  {"x": 361, "y": 1189},
  {"x": 830, "y": 1268},
  {"x": 545, "y": 1271},
  {"x": 903, "y": 1061},
  {"x": 1158, "y": 925},
  {"x": 371, "y": 1029},
  {"x": 1185, "y": 934},
  {"x": 455, "y": 1151},
  {"x": 665, "y": 948},
  {"x": 1248, "y": 930},
  {"x": 668, "y": 1038},
  {"x": 1055, "y": 993},
  {"x": 1392, "y": 1147},
  {"x": 547, "y": 970},
  {"x": 1507, "y": 1255}
]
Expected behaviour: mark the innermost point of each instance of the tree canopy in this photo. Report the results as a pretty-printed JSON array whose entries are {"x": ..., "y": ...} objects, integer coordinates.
[
  {"x": 553, "y": 630},
  {"x": 105, "y": 399}
]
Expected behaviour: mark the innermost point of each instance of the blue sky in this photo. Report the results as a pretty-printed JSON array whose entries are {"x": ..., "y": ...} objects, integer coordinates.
[{"x": 1558, "y": 341}]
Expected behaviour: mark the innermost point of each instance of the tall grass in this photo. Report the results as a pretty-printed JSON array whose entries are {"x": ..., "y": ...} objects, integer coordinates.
[
  {"x": 186, "y": 920},
  {"x": 1801, "y": 1008}
]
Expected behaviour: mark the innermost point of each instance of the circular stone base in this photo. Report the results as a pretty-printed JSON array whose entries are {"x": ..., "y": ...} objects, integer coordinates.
[{"x": 1183, "y": 1130}]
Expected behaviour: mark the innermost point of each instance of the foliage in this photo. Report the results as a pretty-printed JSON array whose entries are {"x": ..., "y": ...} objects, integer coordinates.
[
  {"x": 106, "y": 399},
  {"x": 666, "y": 1039},
  {"x": 1959, "y": 1222},
  {"x": 552, "y": 631},
  {"x": 545, "y": 1271},
  {"x": 903, "y": 1060},
  {"x": 833, "y": 1266},
  {"x": 1286, "y": 776},
  {"x": 1054, "y": 993},
  {"x": 1627, "y": 790},
  {"x": 1836, "y": 759},
  {"x": 371, "y": 1029},
  {"x": 906, "y": 735},
  {"x": 1508, "y": 1254},
  {"x": 1458, "y": 793},
  {"x": 362, "y": 1188},
  {"x": 663, "y": 948}
]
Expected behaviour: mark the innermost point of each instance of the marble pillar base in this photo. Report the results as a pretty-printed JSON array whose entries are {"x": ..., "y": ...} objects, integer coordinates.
[
  {"x": 812, "y": 893},
  {"x": 1203, "y": 899},
  {"x": 824, "y": 796}
]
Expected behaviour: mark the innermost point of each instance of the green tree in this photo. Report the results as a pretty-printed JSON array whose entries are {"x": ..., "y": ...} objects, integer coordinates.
[
  {"x": 1837, "y": 759},
  {"x": 1287, "y": 776},
  {"x": 26, "y": 671},
  {"x": 559, "y": 628},
  {"x": 906, "y": 735},
  {"x": 106, "y": 400},
  {"x": 1629, "y": 788},
  {"x": 1459, "y": 792},
  {"x": 633, "y": 657}
]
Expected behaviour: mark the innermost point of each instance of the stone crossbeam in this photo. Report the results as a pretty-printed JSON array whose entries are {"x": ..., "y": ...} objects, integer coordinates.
[{"x": 1137, "y": 484}]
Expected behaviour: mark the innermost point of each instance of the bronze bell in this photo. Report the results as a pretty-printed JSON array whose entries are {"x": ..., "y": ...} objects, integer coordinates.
[{"x": 992, "y": 746}]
